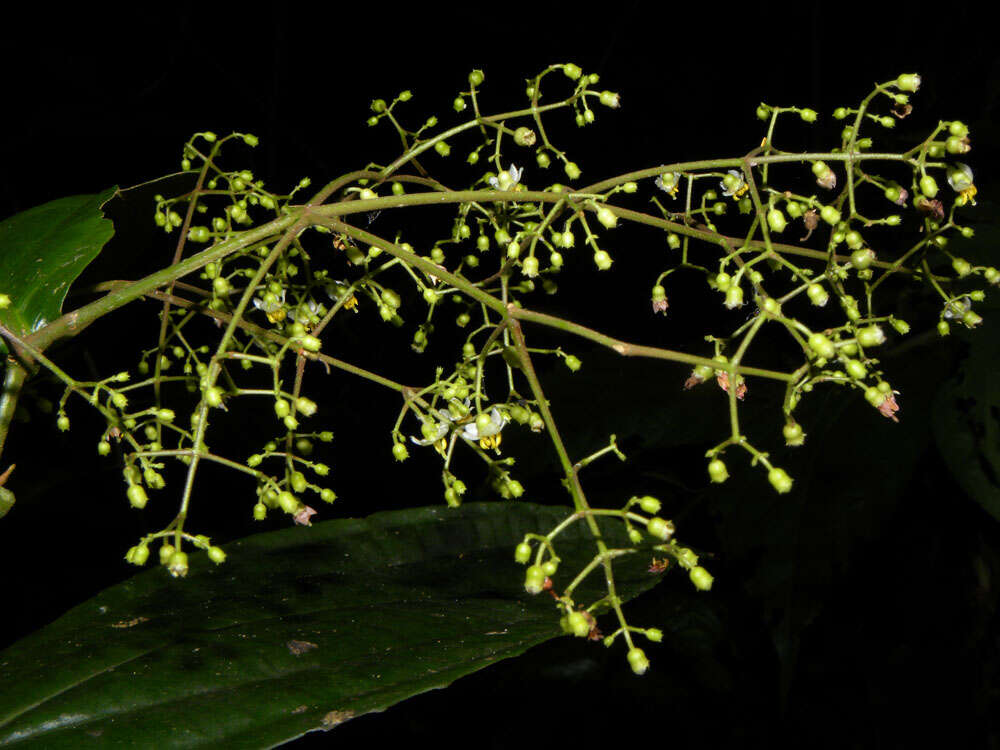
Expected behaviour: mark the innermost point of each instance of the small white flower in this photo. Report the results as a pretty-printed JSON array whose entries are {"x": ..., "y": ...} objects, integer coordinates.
[
  {"x": 273, "y": 305},
  {"x": 669, "y": 182},
  {"x": 337, "y": 289},
  {"x": 960, "y": 179},
  {"x": 739, "y": 185},
  {"x": 957, "y": 308},
  {"x": 307, "y": 312},
  {"x": 507, "y": 180},
  {"x": 434, "y": 431},
  {"x": 489, "y": 436}
]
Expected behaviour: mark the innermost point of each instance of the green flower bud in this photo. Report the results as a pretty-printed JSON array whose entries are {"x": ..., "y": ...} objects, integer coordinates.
[
  {"x": 399, "y": 452},
  {"x": 808, "y": 115},
  {"x": 855, "y": 369},
  {"x": 793, "y": 434},
  {"x": 62, "y": 423},
  {"x": 442, "y": 148},
  {"x": 776, "y": 221},
  {"x": 602, "y": 260},
  {"x": 862, "y": 259},
  {"x": 522, "y": 553},
  {"x": 870, "y": 336},
  {"x": 610, "y": 99},
  {"x": 578, "y": 624},
  {"x": 572, "y": 170},
  {"x": 534, "y": 579},
  {"x": 649, "y": 504},
  {"x": 103, "y": 448},
  {"x": 822, "y": 346},
  {"x": 830, "y": 215},
  {"x": 216, "y": 555},
  {"x": 166, "y": 552},
  {"x": 282, "y": 408},
  {"x": 305, "y": 406},
  {"x": 543, "y": 160},
  {"x": 660, "y": 528},
  {"x": 476, "y": 78},
  {"x": 137, "y": 496},
  {"x": 780, "y": 480},
  {"x": 908, "y": 82},
  {"x": 607, "y": 217},
  {"x": 289, "y": 503},
  {"x": 524, "y": 136},
  {"x": 817, "y": 295},
  {"x": 137, "y": 555},
  {"x": 298, "y": 482},
  {"x": 529, "y": 267},
  {"x": 971, "y": 319},
  {"x": 717, "y": 471},
  {"x": 943, "y": 328},
  {"x": 327, "y": 495},
  {"x": 637, "y": 660},
  {"x": 573, "y": 363},
  {"x": 962, "y": 267},
  {"x": 928, "y": 186},
  {"x": 701, "y": 578},
  {"x": 177, "y": 565},
  {"x": 572, "y": 71},
  {"x": 310, "y": 343}
]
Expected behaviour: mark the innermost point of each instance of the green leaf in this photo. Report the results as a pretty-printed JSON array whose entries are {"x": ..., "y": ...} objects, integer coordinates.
[
  {"x": 967, "y": 422},
  {"x": 6, "y": 501},
  {"x": 299, "y": 630},
  {"x": 43, "y": 250}
]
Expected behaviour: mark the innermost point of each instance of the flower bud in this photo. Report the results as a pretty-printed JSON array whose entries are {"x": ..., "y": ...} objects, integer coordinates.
[
  {"x": 717, "y": 471},
  {"x": 649, "y": 504},
  {"x": 607, "y": 217},
  {"x": 524, "y": 137},
  {"x": 908, "y": 82},
  {"x": 660, "y": 528},
  {"x": 534, "y": 579},
  {"x": 776, "y": 221},
  {"x": 780, "y": 480},
  {"x": 701, "y": 578},
  {"x": 637, "y": 660}
]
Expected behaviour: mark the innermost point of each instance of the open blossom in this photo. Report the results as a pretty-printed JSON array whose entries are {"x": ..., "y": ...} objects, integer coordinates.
[
  {"x": 507, "y": 180},
  {"x": 733, "y": 185},
  {"x": 669, "y": 182},
  {"x": 488, "y": 436}
]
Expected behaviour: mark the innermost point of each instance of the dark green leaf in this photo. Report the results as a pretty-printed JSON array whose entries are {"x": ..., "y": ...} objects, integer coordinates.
[
  {"x": 43, "y": 250},
  {"x": 967, "y": 421},
  {"x": 298, "y": 631}
]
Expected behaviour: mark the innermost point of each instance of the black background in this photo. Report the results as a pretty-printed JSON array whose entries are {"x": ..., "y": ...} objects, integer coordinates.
[{"x": 904, "y": 647}]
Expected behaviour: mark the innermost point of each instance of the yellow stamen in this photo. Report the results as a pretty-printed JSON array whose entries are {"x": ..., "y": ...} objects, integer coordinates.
[
  {"x": 738, "y": 193},
  {"x": 967, "y": 196},
  {"x": 276, "y": 316}
]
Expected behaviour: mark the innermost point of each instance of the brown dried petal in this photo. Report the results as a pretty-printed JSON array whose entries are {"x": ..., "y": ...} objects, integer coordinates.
[
  {"x": 889, "y": 407},
  {"x": 902, "y": 110},
  {"x": 932, "y": 207}
]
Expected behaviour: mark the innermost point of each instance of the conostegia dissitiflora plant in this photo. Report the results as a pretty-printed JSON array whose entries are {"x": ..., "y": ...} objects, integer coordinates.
[{"x": 777, "y": 235}]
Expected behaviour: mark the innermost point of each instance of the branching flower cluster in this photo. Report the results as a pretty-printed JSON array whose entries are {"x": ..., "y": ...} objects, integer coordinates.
[{"x": 794, "y": 240}]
